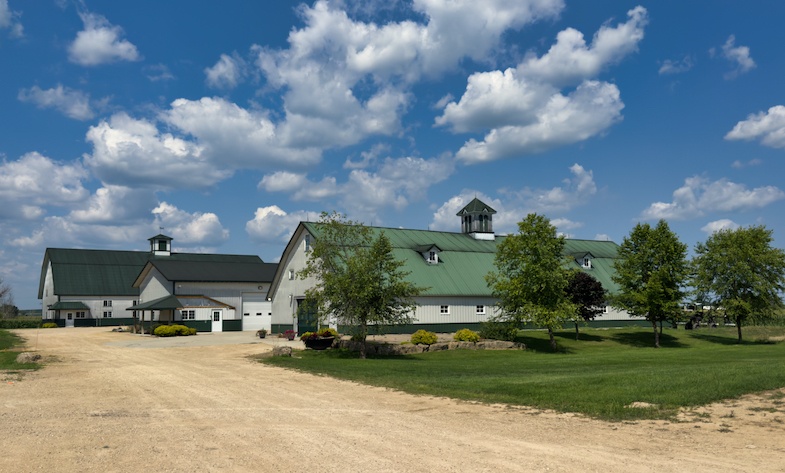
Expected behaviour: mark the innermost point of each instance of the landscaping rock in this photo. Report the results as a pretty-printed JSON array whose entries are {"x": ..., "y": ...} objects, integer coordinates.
[
  {"x": 28, "y": 357},
  {"x": 282, "y": 351}
]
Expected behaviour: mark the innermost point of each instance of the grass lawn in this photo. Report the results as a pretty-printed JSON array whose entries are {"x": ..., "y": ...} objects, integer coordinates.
[
  {"x": 8, "y": 356},
  {"x": 598, "y": 376}
]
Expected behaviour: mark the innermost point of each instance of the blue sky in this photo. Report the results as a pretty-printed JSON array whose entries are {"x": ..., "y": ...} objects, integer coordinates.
[{"x": 229, "y": 123}]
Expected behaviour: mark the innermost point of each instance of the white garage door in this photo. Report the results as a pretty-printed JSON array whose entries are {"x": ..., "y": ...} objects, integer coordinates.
[{"x": 257, "y": 312}]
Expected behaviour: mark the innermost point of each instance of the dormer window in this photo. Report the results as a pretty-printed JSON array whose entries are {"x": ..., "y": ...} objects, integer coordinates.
[
  {"x": 430, "y": 253},
  {"x": 587, "y": 262},
  {"x": 433, "y": 257}
]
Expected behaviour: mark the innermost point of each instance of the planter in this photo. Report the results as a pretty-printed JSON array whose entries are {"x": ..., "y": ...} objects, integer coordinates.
[
  {"x": 319, "y": 343},
  {"x": 262, "y": 333}
]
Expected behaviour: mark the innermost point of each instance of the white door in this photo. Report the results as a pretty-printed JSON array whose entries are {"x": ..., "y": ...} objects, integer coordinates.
[
  {"x": 217, "y": 322},
  {"x": 257, "y": 312},
  {"x": 69, "y": 320}
]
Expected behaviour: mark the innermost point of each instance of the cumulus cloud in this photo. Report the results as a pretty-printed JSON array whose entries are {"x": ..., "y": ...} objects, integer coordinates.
[
  {"x": 273, "y": 225},
  {"x": 575, "y": 191},
  {"x": 299, "y": 187},
  {"x": 190, "y": 229},
  {"x": 717, "y": 225},
  {"x": 768, "y": 127},
  {"x": 227, "y": 73},
  {"x": 699, "y": 195},
  {"x": 116, "y": 205},
  {"x": 677, "y": 66},
  {"x": 347, "y": 79},
  {"x": 72, "y": 103},
  {"x": 34, "y": 182},
  {"x": 739, "y": 56},
  {"x": 525, "y": 108},
  {"x": 10, "y": 20},
  {"x": 100, "y": 42}
]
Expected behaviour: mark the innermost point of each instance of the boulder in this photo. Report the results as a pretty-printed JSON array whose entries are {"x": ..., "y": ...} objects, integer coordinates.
[
  {"x": 28, "y": 357},
  {"x": 282, "y": 351}
]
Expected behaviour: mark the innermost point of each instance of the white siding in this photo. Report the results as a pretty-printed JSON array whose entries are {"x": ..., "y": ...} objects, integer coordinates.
[
  {"x": 49, "y": 297},
  {"x": 289, "y": 290},
  {"x": 462, "y": 310},
  {"x": 154, "y": 286},
  {"x": 228, "y": 293}
]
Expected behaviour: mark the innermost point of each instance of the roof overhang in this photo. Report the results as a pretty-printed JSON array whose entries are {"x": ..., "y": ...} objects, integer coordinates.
[
  {"x": 165, "y": 303},
  {"x": 68, "y": 305}
]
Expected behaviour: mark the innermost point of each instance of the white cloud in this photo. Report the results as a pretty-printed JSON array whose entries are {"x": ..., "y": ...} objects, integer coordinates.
[
  {"x": 602, "y": 237},
  {"x": 588, "y": 111},
  {"x": 298, "y": 186},
  {"x": 10, "y": 20},
  {"x": 273, "y": 225},
  {"x": 34, "y": 182},
  {"x": 769, "y": 127},
  {"x": 739, "y": 56},
  {"x": 677, "y": 66},
  {"x": 131, "y": 152},
  {"x": 100, "y": 42},
  {"x": 525, "y": 109},
  {"x": 116, "y": 205},
  {"x": 738, "y": 164},
  {"x": 570, "y": 60},
  {"x": 227, "y": 73},
  {"x": 158, "y": 72},
  {"x": 72, "y": 103},
  {"x": 717, "y": 225},
  {"x": 190, "y": 229},
  {"x": 698, "y": 195},
  {"x": 333, "y": 56}
]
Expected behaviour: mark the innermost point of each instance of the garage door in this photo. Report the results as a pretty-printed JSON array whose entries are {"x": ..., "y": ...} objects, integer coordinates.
[{"x": 257, "y": 312}]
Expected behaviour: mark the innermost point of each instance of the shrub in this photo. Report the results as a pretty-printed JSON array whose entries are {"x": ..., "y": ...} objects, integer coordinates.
[
  {"x": 165, "y": 331},
  {"x": 499, "y": 331},
  {"x": 49, "y": 325},
  {"x": 466, "y": 335},
  {"x": 424, "y": 337},
  {"x": 323, "y": 333},
  {"x": 20, "y": 322}
]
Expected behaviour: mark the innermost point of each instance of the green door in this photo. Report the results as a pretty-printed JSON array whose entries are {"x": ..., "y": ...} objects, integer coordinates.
[{"x": 307, "y": 317}]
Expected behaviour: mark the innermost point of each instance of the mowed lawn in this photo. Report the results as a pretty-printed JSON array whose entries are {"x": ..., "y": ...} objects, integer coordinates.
[
  {"x": 8, "y": 356},
  {"x": 598, "y": 375}
]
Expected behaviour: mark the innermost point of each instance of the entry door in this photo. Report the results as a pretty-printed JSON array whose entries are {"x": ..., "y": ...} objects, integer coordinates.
[
  {"x": 217, "y": 322},
  {"x": 69, "y": 320}
]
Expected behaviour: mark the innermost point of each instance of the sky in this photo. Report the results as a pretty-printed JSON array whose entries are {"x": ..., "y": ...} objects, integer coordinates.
[{"x": 225, "y": 125}]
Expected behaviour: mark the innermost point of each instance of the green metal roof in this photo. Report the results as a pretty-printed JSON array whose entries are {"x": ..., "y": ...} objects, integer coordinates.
[
  {"x": 464, "y": 261},
  {"x": 164, "y": 303},
  {"x": 476, "y": 206},
  {"x": 68, "y": 305}
]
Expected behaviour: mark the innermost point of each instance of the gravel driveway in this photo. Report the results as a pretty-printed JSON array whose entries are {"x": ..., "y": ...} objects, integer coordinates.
[{"x": 120, "y": 402}]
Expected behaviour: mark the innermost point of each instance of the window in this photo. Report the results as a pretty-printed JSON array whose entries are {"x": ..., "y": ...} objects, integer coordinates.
[
  {"x": 107, "y": 303},
  {"x": 480, "y": 310},
  {"x": 606, "y": 309},
  {"x": 432, "y": 258},
  {"x": 307, "y": 243},
  {"x": 444, "y": 310},
  {"x": 189, "y": 314},
  {"x": 291, "y": 275},
  {"x": 586, "y": 262},
  {"x": 161, "y": 245},
  {"x": 107, "y": 315},
  {"x": 80, "y": 315}
]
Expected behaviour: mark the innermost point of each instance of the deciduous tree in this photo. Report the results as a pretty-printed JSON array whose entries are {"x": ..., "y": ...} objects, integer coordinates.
[
  {"x": 531, "y": 277},
  {"x": 651, "y": 270},
  {"x": 360, "y": 283},
  {"x": 739, "y": 272},
  {"x": 587, "y": 294}
]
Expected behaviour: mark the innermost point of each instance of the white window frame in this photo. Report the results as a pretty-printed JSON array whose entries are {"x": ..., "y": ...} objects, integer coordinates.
[
  {"x": 107, "y": 314},
  {"x": 291, "y": 275},
  {"x": 80, "y": 314},
  {"x": 107, "y": 303},
  {"x": 480, "y": 310},
  {"x": 444, "y": 309},
  {"x": 188, "y": 314}
]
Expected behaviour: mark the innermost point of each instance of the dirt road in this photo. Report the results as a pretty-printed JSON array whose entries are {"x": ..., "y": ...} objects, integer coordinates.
[{"x": 119, "y": 402}]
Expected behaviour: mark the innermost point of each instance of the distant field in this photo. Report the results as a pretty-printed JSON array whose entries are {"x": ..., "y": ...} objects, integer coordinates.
[{"x": 598, "y": 375}]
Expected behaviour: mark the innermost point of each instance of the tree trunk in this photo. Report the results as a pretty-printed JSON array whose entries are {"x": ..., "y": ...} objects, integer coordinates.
[
  {"x": 738, "y": 328},
  {"x": 656, "y": 334},
  {"x": 576, "y": 330},
  {"x": 553, "y": 340},
  {"x": 363, "y": 335}
]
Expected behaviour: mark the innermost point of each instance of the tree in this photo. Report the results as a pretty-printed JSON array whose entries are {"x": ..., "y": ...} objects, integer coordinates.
[
  {"x": 359, "y": 281},
  {"x": 651, "y": 270},
  {"x": 739, "y": 272},
  {"x": 7, "y": 307},
  {"x": 531, "y": 277},
  {"x": 587, "y": 294}
]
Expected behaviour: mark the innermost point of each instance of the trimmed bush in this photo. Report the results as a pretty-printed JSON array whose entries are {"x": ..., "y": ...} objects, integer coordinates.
[
  {"x": 424, "y": 337},
  {"x": 49, "y": 325},
  {"x": 173, "y": 331},
  {"x": 466, "y": 335}
]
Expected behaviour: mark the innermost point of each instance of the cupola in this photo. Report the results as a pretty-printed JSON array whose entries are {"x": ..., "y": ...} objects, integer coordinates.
[
  {"x": 477, "y": 220},
  {"x": 160, "y": 245}
]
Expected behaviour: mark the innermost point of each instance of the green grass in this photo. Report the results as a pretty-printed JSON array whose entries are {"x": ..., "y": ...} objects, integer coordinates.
[
  {"x": 598, "y": 376},
  {"x": 8, "y": 357}
]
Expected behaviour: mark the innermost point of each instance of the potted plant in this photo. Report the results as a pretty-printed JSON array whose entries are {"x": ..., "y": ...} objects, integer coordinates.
[
  {"x": 289, "y": 334},
  {"x": 262, "y": 333},
  {"x": 319, "y": 340}
]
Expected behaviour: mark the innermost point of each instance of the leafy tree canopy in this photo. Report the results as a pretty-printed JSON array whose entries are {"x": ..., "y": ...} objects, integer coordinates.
[
  {"x": 587, "y": 294},
  {"x": 358, "y": 280},
  {"x": 651, "y": 270},
  {"x": 740, "y": 272}
]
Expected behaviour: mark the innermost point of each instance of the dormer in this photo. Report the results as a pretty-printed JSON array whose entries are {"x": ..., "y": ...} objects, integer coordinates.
[
  {"x": 430, "y": 253},
  {"x": 584, "y": 259},
  {"x": 160, "y": 245},
  {"x": 477, "y": 220}
]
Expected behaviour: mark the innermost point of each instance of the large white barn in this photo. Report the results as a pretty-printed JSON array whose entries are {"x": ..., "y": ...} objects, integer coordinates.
[{"x": 451, "y": 265}]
